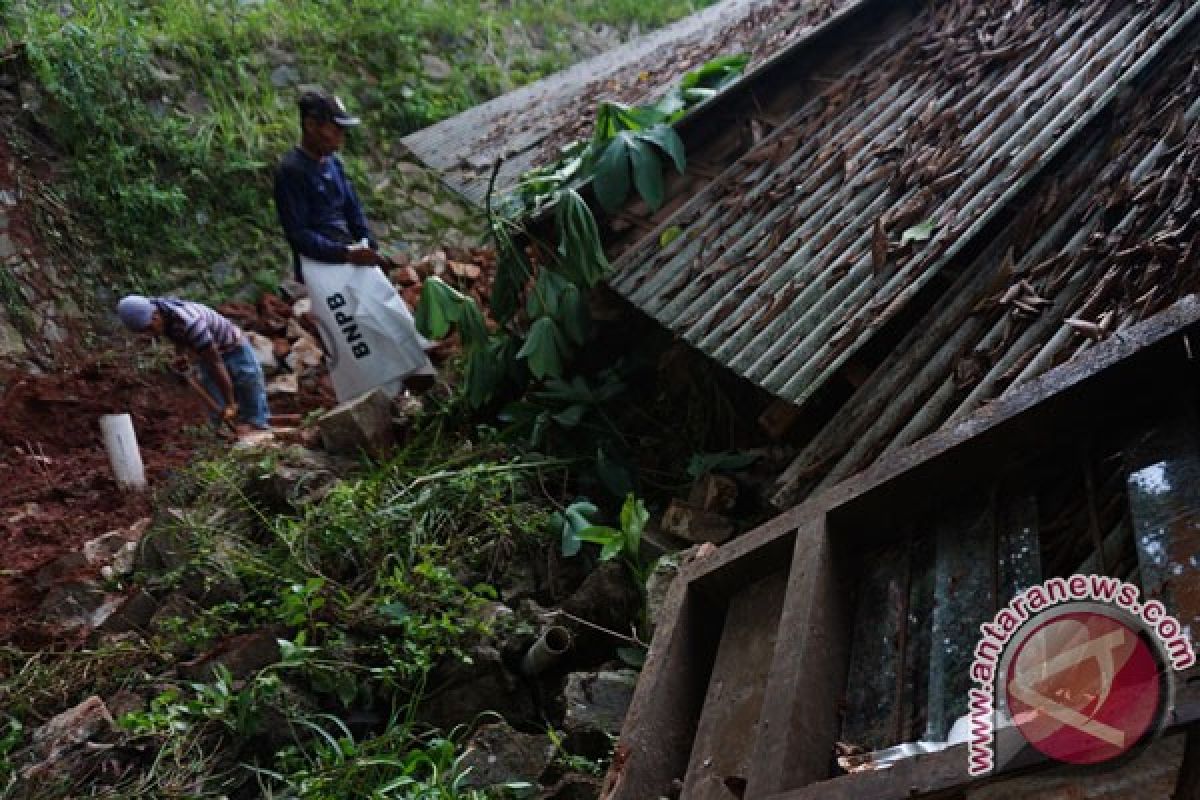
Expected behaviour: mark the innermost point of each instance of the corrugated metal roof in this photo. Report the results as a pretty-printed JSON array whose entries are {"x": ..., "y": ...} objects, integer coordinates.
[
  {"x": 1108, "y": 238},
  {"x": 792, "y": 259}
]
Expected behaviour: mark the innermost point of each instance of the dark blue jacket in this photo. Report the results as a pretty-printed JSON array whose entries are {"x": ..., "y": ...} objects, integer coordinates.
[{"x": 318, "y": 208}]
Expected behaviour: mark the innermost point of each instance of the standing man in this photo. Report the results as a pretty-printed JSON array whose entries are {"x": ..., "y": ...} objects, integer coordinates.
[
  {"x": 320, "y": 213},
  {"x": 230, "y": 372},
  {"x": 324, "y": 222}
]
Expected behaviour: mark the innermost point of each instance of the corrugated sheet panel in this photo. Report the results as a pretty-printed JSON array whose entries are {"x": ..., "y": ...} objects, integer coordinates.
[
  {"x": 792, "y": 259},
  {"x": 1106, "y": 239}
]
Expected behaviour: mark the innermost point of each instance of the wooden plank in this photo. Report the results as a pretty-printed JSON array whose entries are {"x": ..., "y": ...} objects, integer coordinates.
[
  {"x": 729, "y": 723},
  {"x": 1187, "y": 786},
  {"x": 657, "y": 734},
  {"x": 801, "y": 713}
]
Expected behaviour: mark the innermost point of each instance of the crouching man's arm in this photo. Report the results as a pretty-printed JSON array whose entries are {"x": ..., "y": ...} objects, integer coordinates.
[{"x": 215, "y": 366}]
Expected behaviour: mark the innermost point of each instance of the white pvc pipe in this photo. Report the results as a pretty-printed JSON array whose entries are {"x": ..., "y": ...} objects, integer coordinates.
[{"x": 121, "y": 443}]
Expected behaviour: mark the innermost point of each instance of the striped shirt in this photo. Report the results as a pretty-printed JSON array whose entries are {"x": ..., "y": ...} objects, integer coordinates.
[{"x": 196, "y": 325}]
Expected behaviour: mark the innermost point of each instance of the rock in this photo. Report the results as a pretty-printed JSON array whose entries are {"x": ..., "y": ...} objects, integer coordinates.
[
  {"x": 597, "y": 702},
  {"x": 163, "y": 550},
  {"x": 573, "y": 786},
  {"x": 62, "y": 567},
  {"x": 71, "y": 606},
  {"x": 123, "y": 702},
  {"x": 195, "y": 103},
  {"x": 244, "y": 315},
  {"x": 435, "y": 68},
  {"x": 712, "y": 492},
  {"x": 607, "y": 598},
  {"x": 12, "y": 344},
  {"x": 659, "y": 583},
  {"x": 134, "y": 614},
  {"x": 695, "y": 524},
  {"x": 306, "y": 354},
  {"x": 364, "y": 423},
  {"x": 223, "y": 272},
  {"x": 105, "y": 548},
  {"x": 405, "y": 276},
  {"x": 284, "y": 75},
  {"x": 71, "y": 728},
  {"x": 264, "y": 351},
  {"x": 467, "y": 272},
  {"x": 175, "y": 608},
  {"x": 242, "y": 655},
  {"x": 270, "y": 305},
  {"x": 288, "y": 383},
  {"x": 458, "y": 690},
  {"x": 289, "y": 486},
  {"x": 779, "y": 418},
  {"x": 497, "y": 754},
  {"x": 277, "y": 55},
  {"x": 412, "y": 296},
  {"x": 294, "y": 291}
]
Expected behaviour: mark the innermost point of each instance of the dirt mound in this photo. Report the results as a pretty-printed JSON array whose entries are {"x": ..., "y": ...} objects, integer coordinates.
[{"x": 56, "y": 488}]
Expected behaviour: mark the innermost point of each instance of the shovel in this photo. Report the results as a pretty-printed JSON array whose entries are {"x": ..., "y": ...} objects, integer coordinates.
[{"x": 189, "y": 375}]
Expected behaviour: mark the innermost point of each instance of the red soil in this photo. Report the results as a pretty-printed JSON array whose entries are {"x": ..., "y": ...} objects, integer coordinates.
[{"x": 56, "y": 487}]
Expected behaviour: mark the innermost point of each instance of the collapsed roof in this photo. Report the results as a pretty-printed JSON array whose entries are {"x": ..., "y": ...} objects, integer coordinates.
[{"x": 931, "y": 203}]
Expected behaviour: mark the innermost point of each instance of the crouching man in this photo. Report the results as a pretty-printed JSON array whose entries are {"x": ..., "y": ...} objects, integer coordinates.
[{"x": 229, "y": 371}]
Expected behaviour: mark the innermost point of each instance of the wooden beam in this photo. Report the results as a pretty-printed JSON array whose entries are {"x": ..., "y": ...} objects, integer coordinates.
[{"x": 801, "y": 713}]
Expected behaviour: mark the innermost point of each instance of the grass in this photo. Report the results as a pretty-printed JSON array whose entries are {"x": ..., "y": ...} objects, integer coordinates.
[
  {"x": 368, "y": 589},
  {"x": 171, "y": 119}
]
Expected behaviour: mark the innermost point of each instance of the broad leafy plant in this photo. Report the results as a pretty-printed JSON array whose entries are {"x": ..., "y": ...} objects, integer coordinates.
[{"x": 539, "y": 290}]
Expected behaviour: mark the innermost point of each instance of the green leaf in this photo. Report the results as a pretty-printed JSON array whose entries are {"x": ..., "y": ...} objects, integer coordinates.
[
  {"x": 581, "y": 255},
  {"x": 512, "y": 273},
  {"x": 571, "y": 522},
  {"x": 471, "y": 326},
  {"x": 717, "y": 73},
  {"x": 573, "y": 314},
  {"x": 917, "y": 233},
  {"x": 695, "y": 97},
  {"x": 610, "y": 551},
  {"x": 543, "y": 300},
  {"x": 666, "y": 139},
  {"x": 485, "y": 370},
  {"x": 611, "y": 540},
  {"x": 610, "y": 179},
  {"x": 671, "y": 103},
  {"x": 647, "y": 172},
  {"x": 439, "y": 307},
  {"x": 543, "y": 349},
  {"x": 600, "y": 534},
  {"x": 669, "y": 235},
  {"x": 633, "y": 521}
]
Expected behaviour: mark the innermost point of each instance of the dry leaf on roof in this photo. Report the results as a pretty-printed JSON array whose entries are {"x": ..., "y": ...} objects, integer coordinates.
[{"x": 879, "y": 247}]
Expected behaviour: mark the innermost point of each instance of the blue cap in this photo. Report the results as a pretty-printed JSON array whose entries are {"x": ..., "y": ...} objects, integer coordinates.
[{"x": 136, "y": 312}]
